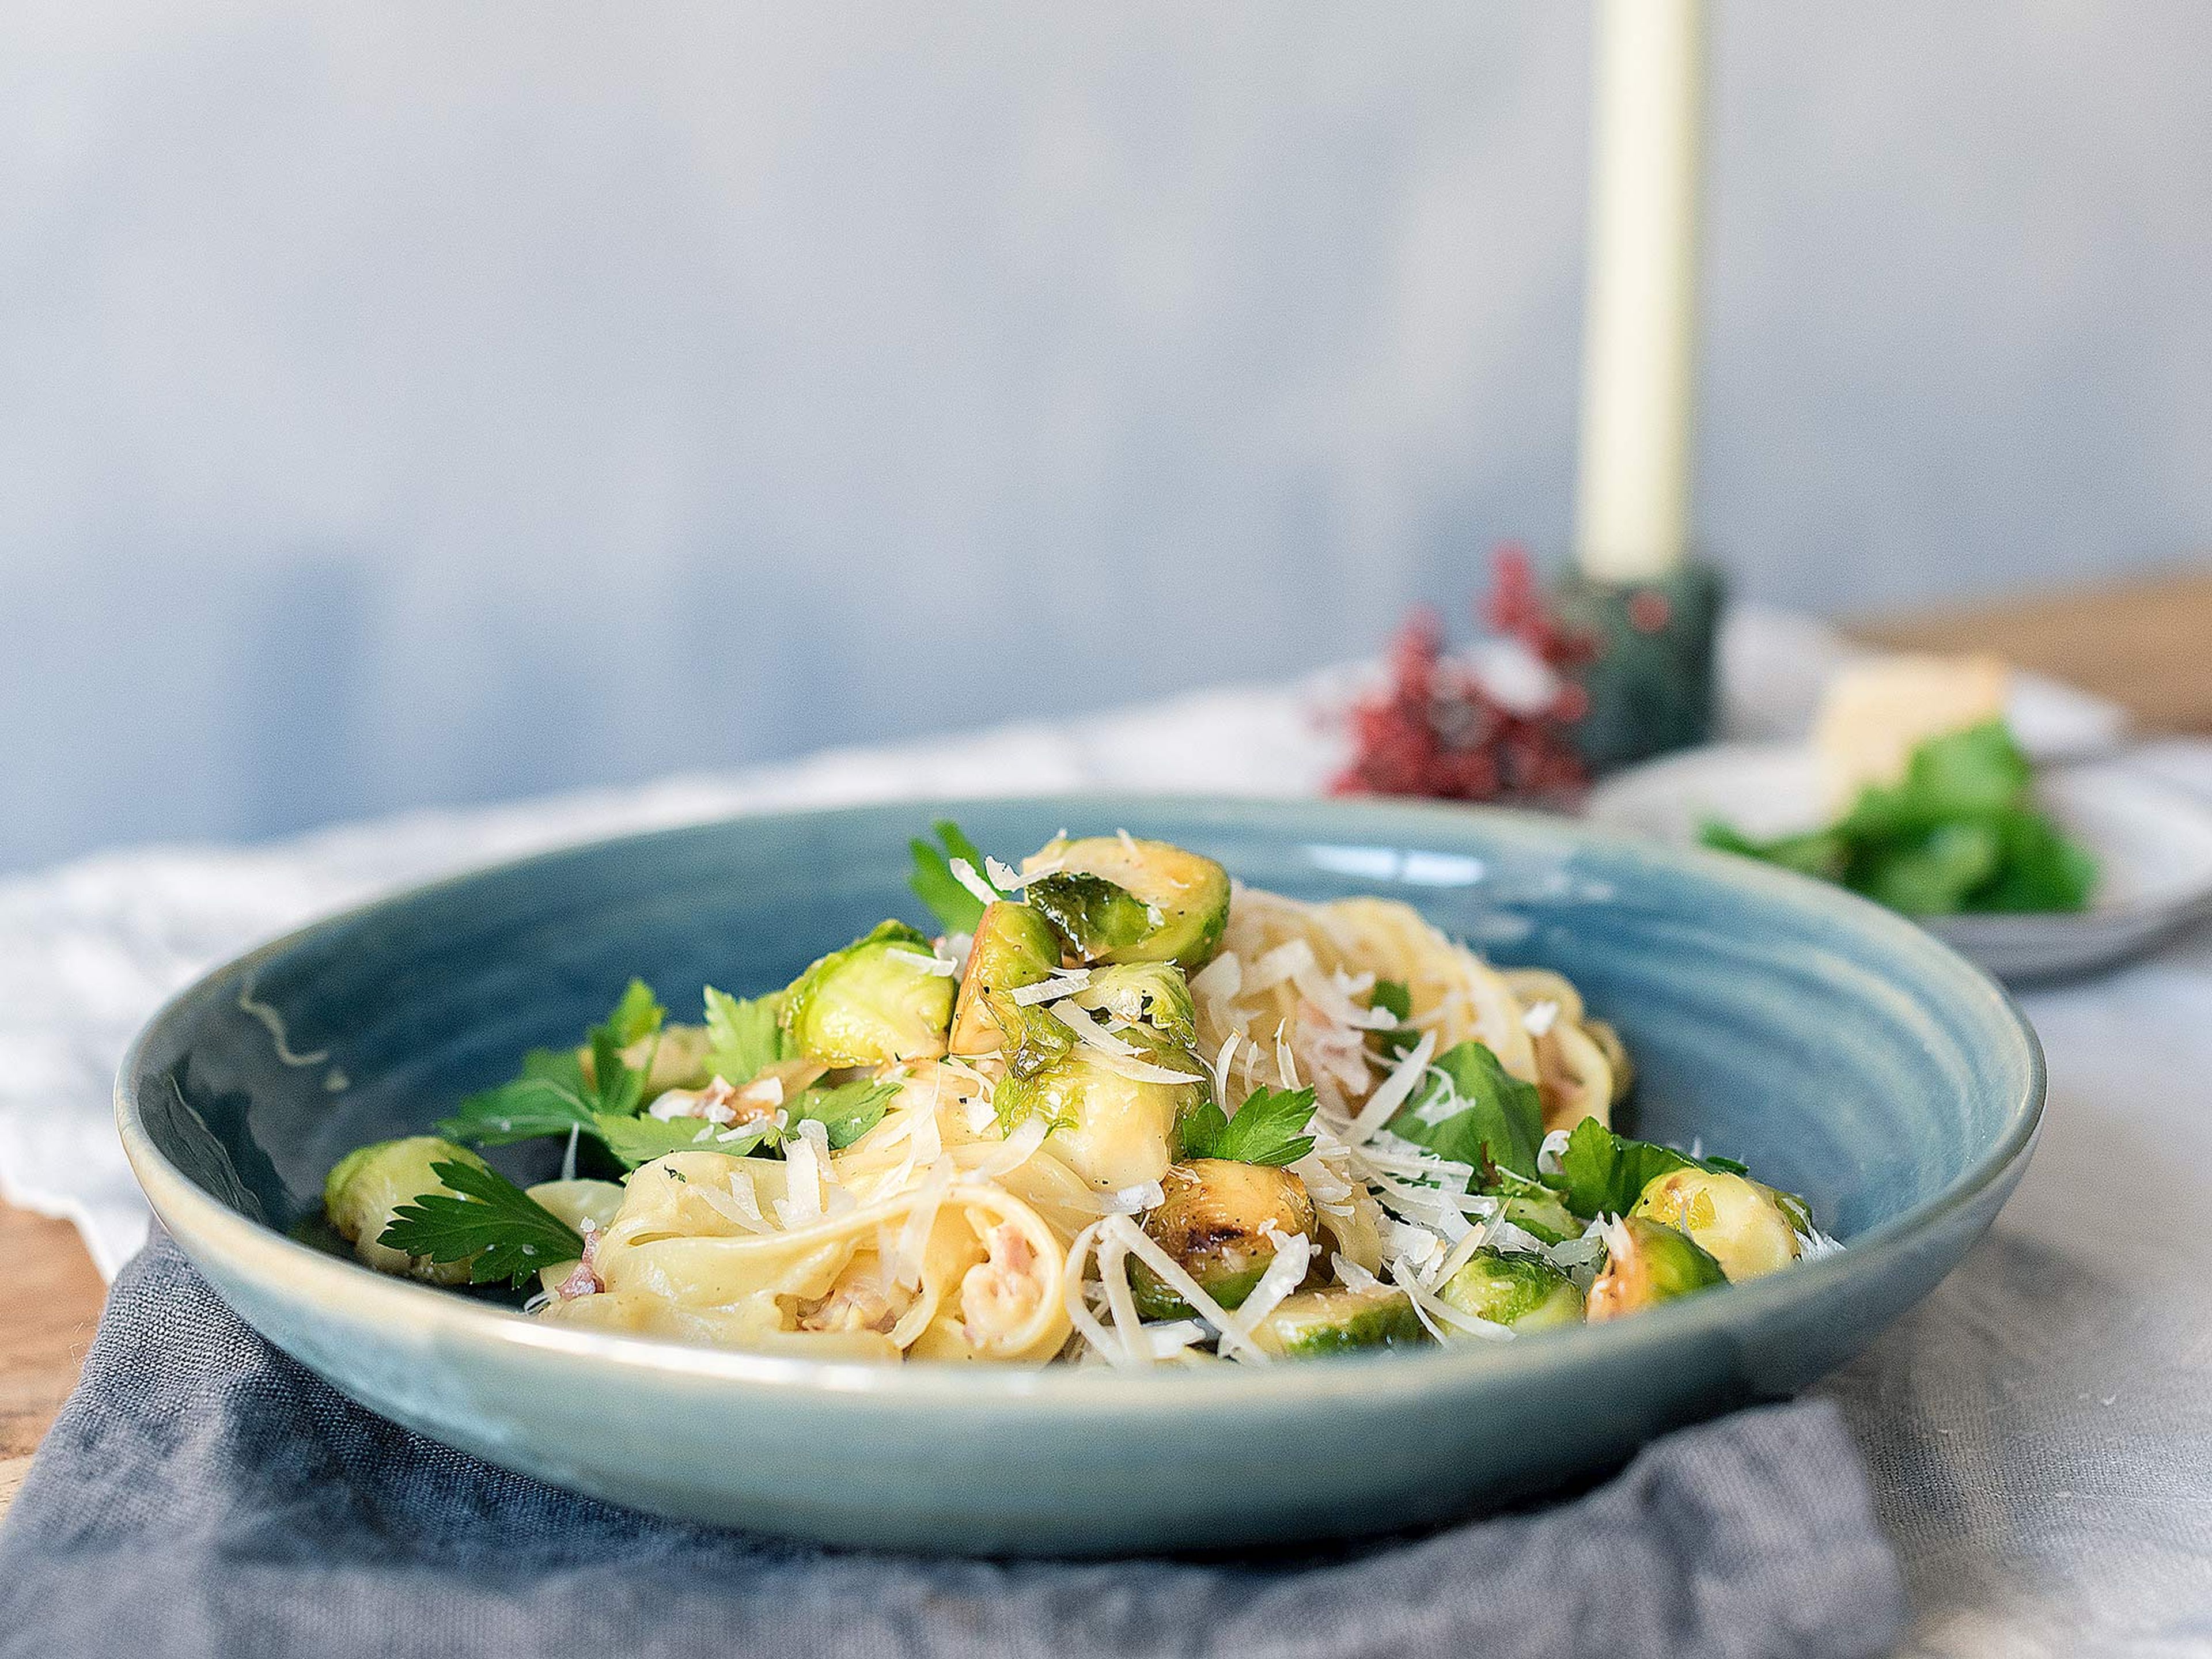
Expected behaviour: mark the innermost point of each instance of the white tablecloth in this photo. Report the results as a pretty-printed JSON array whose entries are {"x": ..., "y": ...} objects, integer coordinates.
[{"x": 2040, "y": 1429}]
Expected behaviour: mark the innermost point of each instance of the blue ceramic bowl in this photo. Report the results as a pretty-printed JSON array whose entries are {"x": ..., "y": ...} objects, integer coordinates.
[{"x": 1839, "y": 1049}]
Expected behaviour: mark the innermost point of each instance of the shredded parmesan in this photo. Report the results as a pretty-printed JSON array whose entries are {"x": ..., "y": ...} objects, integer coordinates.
[
  {"x": 964, "y": 873},
  {"x": 1135, "y": 1200},
  {"x": 1221, "y": 1070},
  {"x": 1392, "y": 1092},
  {"x": 1547, "y": 1155},
  {"x": 1351, "y": 1275},
  {"x": 941, "y": 967},
  {"x": 1285, "y": 1273},
  {"x": 1221, "y": 980},
  {"x": 1172, "y": 1273},
  {"x": 1061, "y": 984}
]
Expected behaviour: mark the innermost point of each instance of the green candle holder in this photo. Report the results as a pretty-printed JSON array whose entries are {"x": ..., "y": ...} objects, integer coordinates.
[{"x": 1648, "y": 687}]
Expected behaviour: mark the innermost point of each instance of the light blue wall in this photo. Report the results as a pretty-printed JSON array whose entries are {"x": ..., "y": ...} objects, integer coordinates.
[{"x": 424, "y": 402}]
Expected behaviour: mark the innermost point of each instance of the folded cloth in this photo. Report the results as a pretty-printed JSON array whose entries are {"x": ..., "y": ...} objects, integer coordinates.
[{"x": 202, "y": 1494}]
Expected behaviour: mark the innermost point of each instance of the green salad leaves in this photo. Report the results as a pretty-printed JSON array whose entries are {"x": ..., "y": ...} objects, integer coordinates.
[{"x": 1958, "y": 833}]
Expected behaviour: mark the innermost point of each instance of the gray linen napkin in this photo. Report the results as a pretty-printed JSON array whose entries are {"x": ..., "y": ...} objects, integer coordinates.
[{"x": 203, "y": 1495}]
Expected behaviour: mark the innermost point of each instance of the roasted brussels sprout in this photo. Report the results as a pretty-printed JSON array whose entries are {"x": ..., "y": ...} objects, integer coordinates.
[
  {"x": 872, "y": 1003},
  {"x": 1030, "y": 1035},
  {"x": 578, "y": 1201},
  {"x": 1014, "y": 946},
  {"x": 1117, "y": 899},
  {"x": 365, "y": 1186},
  {"x": 1513, "y": 1288},
  {"x": 1117, "y": 1131},
  {"x": 1537, "y": 1211},
  {"x": 1311, "y": 1323},
  {"x": 1647, "y": 1263},
  {"x": 1737, "y": 1222},
  {"x": 1214, "y": 1221},
  {"x": 1153, "y": 993}
]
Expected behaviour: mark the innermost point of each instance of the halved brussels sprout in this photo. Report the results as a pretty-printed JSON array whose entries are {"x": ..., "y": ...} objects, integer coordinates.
[
  {"x": 1214, "y": 1221},
  {"x": 1115, "y": 1131},
  {"x": 1014, "y": 946},
  {"x": 1153, "y": 993},
  {"x": 1536, "y": 1209},
  {"x": 1118, "y": 899},
  {"x": 1737, "y": 1222},
  {"x": 1517, "y": 1288},
  {"x": 1032, "y": 1037},
  {"x": 1309, "y": 1324},
  {"x": 871, "y": 1003},
  {"x": 1647, "y": 1263},
  {"x": 369, "y": 1183}
]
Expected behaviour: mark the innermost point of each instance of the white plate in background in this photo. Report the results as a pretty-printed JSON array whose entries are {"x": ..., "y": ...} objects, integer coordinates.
[{"x": 2153, "y": 842}]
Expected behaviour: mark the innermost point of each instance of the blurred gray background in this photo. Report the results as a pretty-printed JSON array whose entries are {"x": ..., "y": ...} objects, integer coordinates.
[{"x": 429, "y": 403}]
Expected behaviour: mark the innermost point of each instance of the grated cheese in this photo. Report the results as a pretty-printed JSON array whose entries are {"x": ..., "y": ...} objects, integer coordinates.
[
  {"x": 1221, "y": 1070},
  {"x": 1286, "y": 1271},
  {"x": 1221, "y": 980},
  {"x": 1063, "y": 982},
  {"x": 1172, "y": 1275},
  {"x": 1392, "y": 1092},
  {"x": 964, "y": 873},
  {"x": 1547, "y": 1155},
  {"x": 939, "y": 967}
]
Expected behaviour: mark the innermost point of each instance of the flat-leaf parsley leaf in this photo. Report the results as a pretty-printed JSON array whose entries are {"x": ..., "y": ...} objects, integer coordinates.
[{"x": 485, "y": 1221}]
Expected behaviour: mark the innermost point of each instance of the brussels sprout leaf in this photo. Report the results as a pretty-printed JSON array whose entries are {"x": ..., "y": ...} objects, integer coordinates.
[
  {"x": 1269, "y": 1128},
  {"x": 744, "y": 1037},
  {"x": 486, "y": 1220},
  {"x": 1470, "y": 1108}
]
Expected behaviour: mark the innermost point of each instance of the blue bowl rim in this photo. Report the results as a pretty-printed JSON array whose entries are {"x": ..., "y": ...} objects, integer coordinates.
[{"x": 389, "y": 1301}]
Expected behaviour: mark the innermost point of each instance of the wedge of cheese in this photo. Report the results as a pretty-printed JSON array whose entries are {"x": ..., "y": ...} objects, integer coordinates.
[{"x": 1875, "y": 714}]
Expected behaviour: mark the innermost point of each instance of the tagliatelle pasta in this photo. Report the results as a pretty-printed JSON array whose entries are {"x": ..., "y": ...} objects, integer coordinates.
[{"x": 1122, "y": 1110}]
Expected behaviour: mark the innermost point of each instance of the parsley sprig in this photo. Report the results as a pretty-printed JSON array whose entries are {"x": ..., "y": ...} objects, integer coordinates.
[
  {"x": 746, "y": 1035},
  {"x": 557, "y": 1095},
  {"x": 485, "y": 1221},
  {"x": 936, "y": 886},
  {"x": 1269, "y": 1127},
  {"x": 1601, "y": 1172}
]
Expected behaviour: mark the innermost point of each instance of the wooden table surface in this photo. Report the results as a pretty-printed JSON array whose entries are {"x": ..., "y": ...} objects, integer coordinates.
[{"x": 2146, "y": 644}]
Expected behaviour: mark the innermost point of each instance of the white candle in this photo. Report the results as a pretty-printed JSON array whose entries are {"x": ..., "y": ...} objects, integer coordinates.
[{"x": 1632, "y": 502}]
